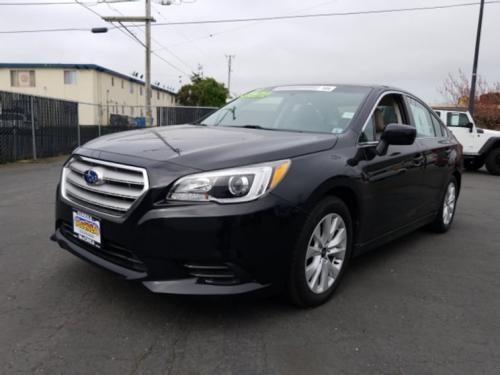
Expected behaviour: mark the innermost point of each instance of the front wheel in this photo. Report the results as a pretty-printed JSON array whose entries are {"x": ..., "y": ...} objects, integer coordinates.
[
  {"x": 493, "y": 161},
  {"x": 321, "y": 253},
  {"x": 443, "y": 220}
]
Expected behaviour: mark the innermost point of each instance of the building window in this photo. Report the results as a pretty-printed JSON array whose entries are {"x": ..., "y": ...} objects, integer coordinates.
[
  {"x": 70, "y": 77},
  {"x": 131, "y": 89},
  {"x": 112, "y": 81},
  {"x": 140, "y": 90},
  {"x": 123, "y": 109},
  {"x": 158, "y": 95},
  {"x": 131, "y": 111},
  {"x": 123, "y": 84},
  {"x": 22, "y": 78}
]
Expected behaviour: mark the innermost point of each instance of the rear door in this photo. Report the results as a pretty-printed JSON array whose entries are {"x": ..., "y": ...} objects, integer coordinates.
[{"x": 439, "y": 153}]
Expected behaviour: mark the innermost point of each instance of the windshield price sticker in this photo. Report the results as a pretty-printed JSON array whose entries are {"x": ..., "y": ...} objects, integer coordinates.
[{"x": 305, "y": 88}]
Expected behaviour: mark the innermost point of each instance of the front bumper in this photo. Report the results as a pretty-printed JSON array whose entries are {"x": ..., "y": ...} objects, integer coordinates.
[{"x": 204, "y": 249}]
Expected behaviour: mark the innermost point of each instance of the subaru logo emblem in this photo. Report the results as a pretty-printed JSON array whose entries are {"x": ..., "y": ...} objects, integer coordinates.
[{"x": 93, "y": 176}]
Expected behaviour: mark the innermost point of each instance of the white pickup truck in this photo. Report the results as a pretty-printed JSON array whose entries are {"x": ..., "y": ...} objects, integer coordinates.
[{"x": 481, "y": 146}]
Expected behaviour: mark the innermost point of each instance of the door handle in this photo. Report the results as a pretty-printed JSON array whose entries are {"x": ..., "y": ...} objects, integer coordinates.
[{"x": 418, "y": 160}]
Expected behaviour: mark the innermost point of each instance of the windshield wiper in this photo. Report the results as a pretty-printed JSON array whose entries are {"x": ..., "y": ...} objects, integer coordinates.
[{"x": 250, "y": 126}]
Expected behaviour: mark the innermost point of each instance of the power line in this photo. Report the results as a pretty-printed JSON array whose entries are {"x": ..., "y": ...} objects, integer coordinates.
[
  {"x": 124, "y": 29},
  {"x": 270, "y": 18},
  {"x": 29, "y": 3},
  {"x": 158, "y": 43},
  {"x": 317, "y": 15}
]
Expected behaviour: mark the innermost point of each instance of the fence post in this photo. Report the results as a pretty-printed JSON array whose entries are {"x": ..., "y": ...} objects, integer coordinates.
[
  {"x": 99, "y": 120},
  {"x": 33, "y": 135},
  {"x": 78, "y": 133}
]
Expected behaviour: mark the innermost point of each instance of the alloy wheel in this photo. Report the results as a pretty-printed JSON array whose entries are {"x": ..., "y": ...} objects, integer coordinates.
[
  {"x": 449, "y": 203},
  {"x": 325, "y": 253}
]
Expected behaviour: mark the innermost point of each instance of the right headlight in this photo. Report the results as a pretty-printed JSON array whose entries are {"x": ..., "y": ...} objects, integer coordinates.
[{"x": 233, "y": 185}]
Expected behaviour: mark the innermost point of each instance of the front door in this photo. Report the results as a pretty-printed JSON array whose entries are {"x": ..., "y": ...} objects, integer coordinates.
[
  {"x": 391, "y": 182},
  {"x": 458, "y": 123}
]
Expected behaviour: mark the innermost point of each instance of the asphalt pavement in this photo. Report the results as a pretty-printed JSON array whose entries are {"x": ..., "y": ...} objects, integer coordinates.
[{"x": 425, "y": 304}]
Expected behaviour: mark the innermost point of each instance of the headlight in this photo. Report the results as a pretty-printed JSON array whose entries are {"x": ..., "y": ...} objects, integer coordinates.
[{"x": 233, "y": 185}]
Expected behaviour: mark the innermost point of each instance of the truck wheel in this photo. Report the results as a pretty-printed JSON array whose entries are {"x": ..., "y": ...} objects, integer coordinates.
[
  {"x": 493, "y": 161},
  {"x": 473, "y": 164}
]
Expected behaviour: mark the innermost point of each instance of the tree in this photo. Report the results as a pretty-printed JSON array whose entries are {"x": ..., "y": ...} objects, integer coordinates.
[
  {"x": 456, "y": 89},
  {"x": 203, "y": 92}
]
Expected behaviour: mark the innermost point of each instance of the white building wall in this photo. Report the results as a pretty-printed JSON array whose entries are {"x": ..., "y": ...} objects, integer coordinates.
[{"x": 95, "y": 91}]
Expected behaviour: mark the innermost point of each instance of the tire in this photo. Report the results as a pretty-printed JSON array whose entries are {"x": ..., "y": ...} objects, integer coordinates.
[
  {"x": 314, "y": 253},
  {"x": 493, "y": 161},
  {"x": 444, "y": 218},
  {"x": 473, "y": 164}
]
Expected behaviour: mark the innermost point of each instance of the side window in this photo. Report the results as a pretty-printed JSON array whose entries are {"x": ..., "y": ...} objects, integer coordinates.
[
  {"x": 438, "y": 128},
  {"x": 457, "y": 119},
  {"x": 368, "y": 134},
  {"x": 389, "y": 110},
  {"x": 422, "y": 118}
]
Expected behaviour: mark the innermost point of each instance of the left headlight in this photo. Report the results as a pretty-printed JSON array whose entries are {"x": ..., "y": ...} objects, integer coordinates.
[{"x": 233, "y": 185}]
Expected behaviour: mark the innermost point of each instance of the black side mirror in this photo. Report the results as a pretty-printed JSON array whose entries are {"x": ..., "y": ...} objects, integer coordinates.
[
  {"x": 396, "y": 134},
  {"x": 470, "y": 126}
]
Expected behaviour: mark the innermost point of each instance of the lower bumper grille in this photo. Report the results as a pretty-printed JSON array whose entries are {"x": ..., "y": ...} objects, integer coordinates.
[
  {"x": 217, "y": 274},
  {"x": 110, "y": 251}
]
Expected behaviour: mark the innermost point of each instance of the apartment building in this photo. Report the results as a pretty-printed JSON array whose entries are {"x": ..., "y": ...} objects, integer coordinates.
[{"x": 102, "y": 94}]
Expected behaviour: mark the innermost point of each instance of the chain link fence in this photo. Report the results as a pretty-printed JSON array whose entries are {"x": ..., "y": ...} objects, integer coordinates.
[
  {"x": 32, "y": 126},
  {"x": 182, "y": 115}
]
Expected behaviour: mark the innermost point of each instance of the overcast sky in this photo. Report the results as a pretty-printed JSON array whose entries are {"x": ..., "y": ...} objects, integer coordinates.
[{"x": 411, "y": 50}]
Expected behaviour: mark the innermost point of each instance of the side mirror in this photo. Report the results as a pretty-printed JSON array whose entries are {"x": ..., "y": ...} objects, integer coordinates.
[
  {"x": 396, "y": 134},
  {"x": 470, "y": 126}
]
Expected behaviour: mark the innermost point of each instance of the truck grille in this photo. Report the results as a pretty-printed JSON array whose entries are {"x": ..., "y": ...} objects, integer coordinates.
[{"x": 119, "y": 185}]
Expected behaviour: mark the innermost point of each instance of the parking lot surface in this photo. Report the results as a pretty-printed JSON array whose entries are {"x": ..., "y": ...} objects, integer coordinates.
[{"x": 425, "y": 304}]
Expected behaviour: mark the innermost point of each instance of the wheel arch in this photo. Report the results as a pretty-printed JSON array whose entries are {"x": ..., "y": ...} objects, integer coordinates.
[
  {"x": 344, "y": 189},
  {"x": 458, "y": 177},
  {"x": 493, "y": 142}
]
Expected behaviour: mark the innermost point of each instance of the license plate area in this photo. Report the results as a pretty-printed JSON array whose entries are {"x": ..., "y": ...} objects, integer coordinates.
[{"x": 87, "y": 228}]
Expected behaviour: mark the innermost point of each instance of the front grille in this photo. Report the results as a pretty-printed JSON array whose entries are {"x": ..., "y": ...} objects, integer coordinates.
[
  {"x": 120, "y": 187},
  {"x": 109, "y": 250},
  {"x": 212, "y": 273}
]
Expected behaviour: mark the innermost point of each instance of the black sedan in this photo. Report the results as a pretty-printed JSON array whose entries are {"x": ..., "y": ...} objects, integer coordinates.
[{"x": 277, "y": 189}]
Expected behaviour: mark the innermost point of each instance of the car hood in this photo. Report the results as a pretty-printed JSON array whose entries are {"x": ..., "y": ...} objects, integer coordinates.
[{"x": 203, "y": 147}]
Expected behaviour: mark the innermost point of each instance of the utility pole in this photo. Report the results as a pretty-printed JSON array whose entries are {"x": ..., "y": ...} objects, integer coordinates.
[
  {"x": 149, "y": 94},
  {"x": 147, "y": 44},
  {"x": 472, "y": 94},
  {"x": 229, "y": 70}
]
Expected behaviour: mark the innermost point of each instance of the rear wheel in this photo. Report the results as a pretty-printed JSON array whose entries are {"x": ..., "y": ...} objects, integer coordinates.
[
  {"x": 443, "y": 220},
  {"x": 473, "y": 164},
  {"x": 321, "y": 253},
  {"x": 493, "y": 161}
]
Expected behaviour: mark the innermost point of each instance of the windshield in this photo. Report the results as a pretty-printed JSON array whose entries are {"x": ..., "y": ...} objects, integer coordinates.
[{"x": 321, "y": 109}]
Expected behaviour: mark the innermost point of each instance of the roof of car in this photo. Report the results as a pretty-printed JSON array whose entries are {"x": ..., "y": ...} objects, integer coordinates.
[
  {"x": 332, "y": 85},
  {"x": 449, "y": 108}
]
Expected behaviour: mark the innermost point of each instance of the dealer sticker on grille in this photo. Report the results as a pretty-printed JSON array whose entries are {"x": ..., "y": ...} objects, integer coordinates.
[{"x": 87, "y": 228}]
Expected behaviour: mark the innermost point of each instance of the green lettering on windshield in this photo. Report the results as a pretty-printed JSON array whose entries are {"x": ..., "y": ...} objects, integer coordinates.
[{"x": 256, "y": 94}]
